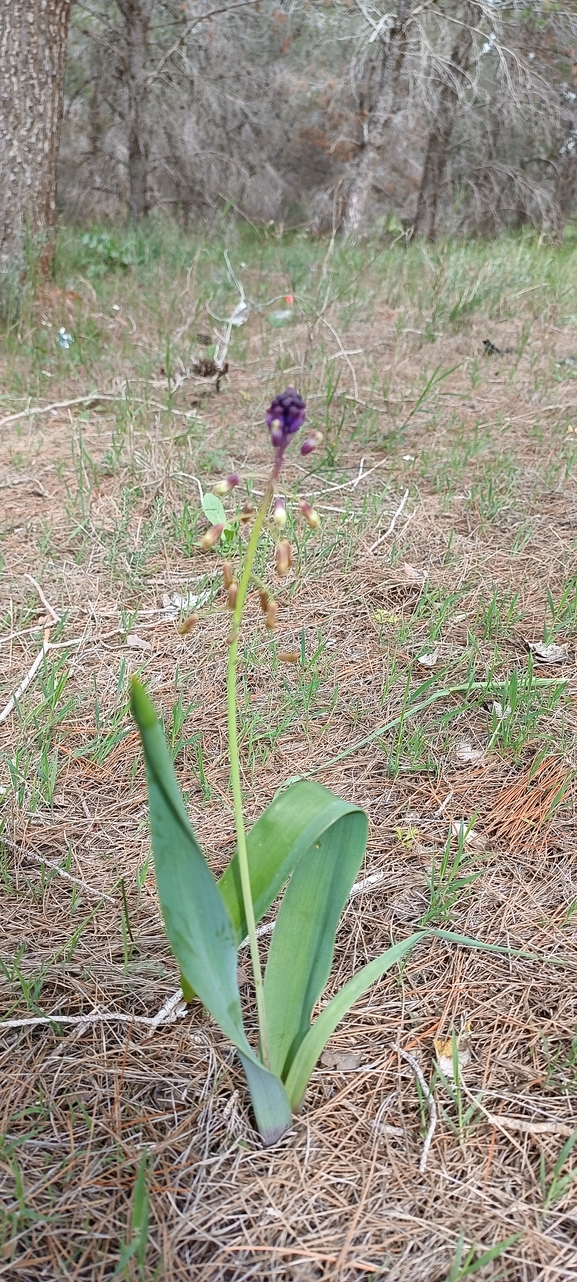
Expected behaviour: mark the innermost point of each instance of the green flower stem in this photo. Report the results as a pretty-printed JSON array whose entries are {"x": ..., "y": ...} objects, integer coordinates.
[{"x": 235, "y": 770}]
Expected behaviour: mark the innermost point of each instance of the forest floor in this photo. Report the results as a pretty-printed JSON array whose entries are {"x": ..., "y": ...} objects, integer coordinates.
[{"x": 446, "y": 559}]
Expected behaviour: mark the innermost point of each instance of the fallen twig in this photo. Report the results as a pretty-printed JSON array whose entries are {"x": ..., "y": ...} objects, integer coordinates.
[
  {"x": 394, "y": 520},
  {"x": 430, "y": 1103},
  {"x": 411, "y": 711},
  {"x": 344, "y": 354},
  {"x": 518, "y": 1123},
  {"x": 45, "y": 602},
  {"x": 28, "y": 679},
  {"x": 95, "y": 1017},
  {"x": 41, "y": 859},
  {"x": 61, "y": 405}
]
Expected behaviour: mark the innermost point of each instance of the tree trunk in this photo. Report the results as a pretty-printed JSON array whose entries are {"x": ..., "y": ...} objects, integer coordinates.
[
  {"x": 566, "y": 179},
  {"x": 393, "y": 55},
  {"x": 441, "y": 130},
  {"x": 33, "y": 37},
  {"x": 136, "y": 14}
]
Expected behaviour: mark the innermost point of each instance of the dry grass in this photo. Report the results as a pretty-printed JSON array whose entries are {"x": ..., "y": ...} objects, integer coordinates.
[{"x": 99, "y": 505}]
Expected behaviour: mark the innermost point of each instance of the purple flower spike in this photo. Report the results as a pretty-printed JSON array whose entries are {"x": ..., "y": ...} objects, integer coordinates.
[
  {"x": 287, "y": 413},
  {"x": 284, "y": 417}
]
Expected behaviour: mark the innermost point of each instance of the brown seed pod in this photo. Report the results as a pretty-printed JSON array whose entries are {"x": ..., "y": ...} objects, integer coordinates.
[
  {"x": 288, "y": 656},
  {"x": 284, "y": 558},
  {"x": 271, "y": 615},
  {"x": 247, "y": 512},
  {"x": 312, "y": 518},
  {"x": 188, "y": 625},
  {"x": 227, "y": 575},
  {"x": 211, "y": 537},
  {"x": 264, "y": 600},
  {"x": 232, "y": 595}
]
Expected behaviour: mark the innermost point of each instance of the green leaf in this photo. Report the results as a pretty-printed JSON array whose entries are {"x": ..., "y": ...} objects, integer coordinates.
[
  {"x": 293, "y": 822},
  {"x": 302, "y": 946},
  {"x": 316, "y": 1039},
  {"x": 213, "y": 510},
  {"x": 269, "y": 1100},
  {"x": 197, "y": 923},
  {"x": 141, "y": 1210}
]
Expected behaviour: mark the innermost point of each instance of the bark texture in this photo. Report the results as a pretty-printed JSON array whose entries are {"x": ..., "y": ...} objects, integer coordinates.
[
  {"x": 136, "y": 14},
  {"x": 566, "y": 168},
  {"x": 33, "y": 36},
  {"x": 442, "y": 128},
  {"x": 393, "y": 49}
]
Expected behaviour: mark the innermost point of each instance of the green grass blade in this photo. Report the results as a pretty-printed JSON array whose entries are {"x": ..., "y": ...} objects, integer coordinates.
[
  {"x": 316, "y": 1039},
  {"x": 290, "y": 825},
  {"x": 302, "y": 945}
]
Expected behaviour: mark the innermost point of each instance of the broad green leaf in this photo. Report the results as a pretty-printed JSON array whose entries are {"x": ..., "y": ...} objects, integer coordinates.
[
  {"x": 196, "y": 919},
  {"x": 302, "y": 946},
  {"x": 197, "y": 922},
  {"x": 316, "y": 1039},
  {"x": 213, "y": 510},
  {"x": 293, "y": 822},
  {"x": 269, "y": 1100}
]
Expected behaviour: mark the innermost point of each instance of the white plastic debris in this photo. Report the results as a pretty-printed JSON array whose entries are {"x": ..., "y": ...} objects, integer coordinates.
[
  {"x": 64, "y": 339},
  {"x": 174, "y": 602}
]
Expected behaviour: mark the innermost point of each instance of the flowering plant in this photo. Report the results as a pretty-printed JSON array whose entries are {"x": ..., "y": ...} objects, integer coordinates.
[{"x": 307, "y": 837}]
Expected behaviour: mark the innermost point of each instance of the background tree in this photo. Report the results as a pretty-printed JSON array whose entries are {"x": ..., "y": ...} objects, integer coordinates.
[
  {"x": 136, "y": 15},
  {"x": 390, "y": 35},
  {"x": 455, "y": 115},
  {"x": 451, "y": 78},
  {"x": 32, "y": 63}
]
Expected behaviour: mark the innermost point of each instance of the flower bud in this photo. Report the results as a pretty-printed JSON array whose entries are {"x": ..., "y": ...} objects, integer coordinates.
[
  {"x": 264, "y": 600},
  {"x": 279, "y": 514},
  {"x": 211, "y": 537},
  {"x": 284, "y": 557},
  {"x": 224, "y": 487},
  {"x": 227, "y": 576},
  {"x": 232, "y": 595},
  {"x": 188, "y": 625},
  {"x": 316, "y": 438},
  {"x": 248, "y": 512},
  {"x": 271, "y": 615},
  {"x": 312, "y": 518}
]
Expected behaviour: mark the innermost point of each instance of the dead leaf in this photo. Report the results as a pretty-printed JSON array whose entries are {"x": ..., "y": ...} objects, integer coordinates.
[
  {"x": 137, "y": 643},
  {"x": 444, "y": 1050},
  {"x": 549, "y": 653},
  {"x": 428, "y": 660},
  {"x": 415, "y": 575},
  {"x": 466, "y": 754},
  {"x": 471, "y": 837},
  {"x": 408, "y": 836},
  {"x": 342, "y": 1061},
  {"x": 385, "y": 616}
]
